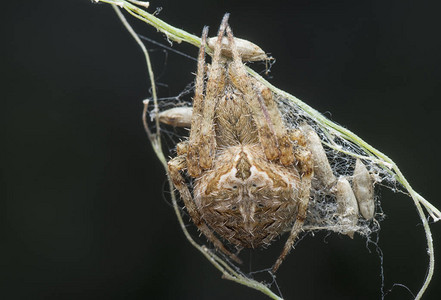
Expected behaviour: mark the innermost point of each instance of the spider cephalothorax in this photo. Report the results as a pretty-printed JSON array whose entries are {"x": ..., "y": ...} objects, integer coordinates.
[{"x": 251, "y": 173}]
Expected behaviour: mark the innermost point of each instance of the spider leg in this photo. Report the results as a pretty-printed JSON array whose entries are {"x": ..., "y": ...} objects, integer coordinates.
[
  {"x": 303, "y": 153},
  {"x": 215, "y": 86},
  {"x": 282, "y": 135},
  {"x": 259, "y": 111},
  {"x": 174, "y": 167},
  {"x": 300, "y": 219},
  {"x": 305, "y": 167},
  {"x": 198, "y": 106}
]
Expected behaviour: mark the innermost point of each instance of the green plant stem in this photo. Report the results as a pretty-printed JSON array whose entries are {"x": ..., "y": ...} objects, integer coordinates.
[{"x": 178, "y": 35}]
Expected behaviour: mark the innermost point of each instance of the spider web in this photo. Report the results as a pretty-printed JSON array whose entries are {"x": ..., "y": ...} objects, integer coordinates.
[{"x": 341, "y": 154}]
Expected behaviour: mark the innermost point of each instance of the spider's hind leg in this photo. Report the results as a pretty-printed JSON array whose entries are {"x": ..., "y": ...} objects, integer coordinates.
[
  {"x": 174, "y": 167},
  {"x": 305, "y": 166}
]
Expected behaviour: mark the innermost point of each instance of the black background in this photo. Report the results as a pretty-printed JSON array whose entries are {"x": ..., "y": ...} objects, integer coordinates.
[{"x": 84, "y": 213}]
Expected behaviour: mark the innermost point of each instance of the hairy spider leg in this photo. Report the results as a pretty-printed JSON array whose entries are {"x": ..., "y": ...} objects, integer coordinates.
[
  {"x": 280, "y": 131},
  {"x": 272, "y": 120},
  {"x": 268, "y": 139},
  {"x": 305, "y": 166},
  {"x": 215, "y": 86},
  {"x": 302, "y": 153},
  {"x": 259, "y": 112},
  {"x": 193, "y": 148},
  {"x": 174, "y": 167}
]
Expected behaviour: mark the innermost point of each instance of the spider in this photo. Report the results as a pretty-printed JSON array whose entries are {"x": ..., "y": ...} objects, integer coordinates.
[{"x": 252, "y": 175}]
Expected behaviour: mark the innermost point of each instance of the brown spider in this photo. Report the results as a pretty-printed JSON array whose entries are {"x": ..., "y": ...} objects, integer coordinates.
[{"x": 252, "y": 175}]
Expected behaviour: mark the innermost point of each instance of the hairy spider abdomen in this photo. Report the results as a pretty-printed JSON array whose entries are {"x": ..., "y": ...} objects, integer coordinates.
[{"x": 247, "y": 199}]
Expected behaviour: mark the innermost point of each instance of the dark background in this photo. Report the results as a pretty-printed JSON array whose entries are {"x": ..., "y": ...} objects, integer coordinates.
[{"x": 84, "y": 213}]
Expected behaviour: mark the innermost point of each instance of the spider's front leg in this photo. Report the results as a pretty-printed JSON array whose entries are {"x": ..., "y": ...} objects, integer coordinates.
[
  {"x": 194, "y": 168},
  {"x": 215, "y": 87},
  {"x": 283, "y": 138},
  {"x": 255, "y": 101},
  {"x": 175, "y": 166},
  {"x": 273, "y": 135}
]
